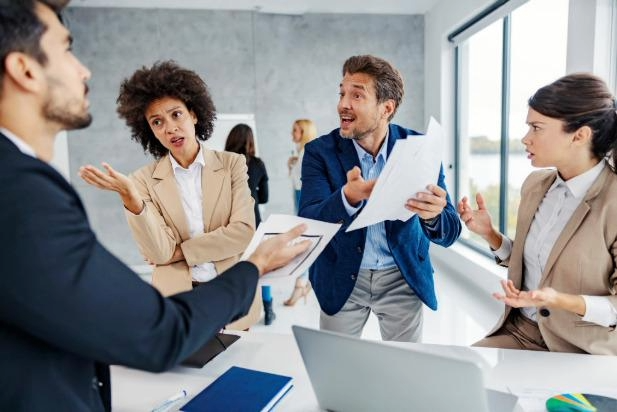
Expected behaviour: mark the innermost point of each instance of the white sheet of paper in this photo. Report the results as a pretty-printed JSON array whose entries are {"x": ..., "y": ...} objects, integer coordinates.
[
  {"x": 319, "y": 233},
  {"x": 412, "y": 165}
]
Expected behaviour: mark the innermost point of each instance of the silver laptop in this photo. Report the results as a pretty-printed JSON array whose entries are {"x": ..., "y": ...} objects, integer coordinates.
[{"x": 351, "y": 374}]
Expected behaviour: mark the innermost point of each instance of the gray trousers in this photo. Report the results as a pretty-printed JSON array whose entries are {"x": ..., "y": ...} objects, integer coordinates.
[{"x": 389, "y": 297}]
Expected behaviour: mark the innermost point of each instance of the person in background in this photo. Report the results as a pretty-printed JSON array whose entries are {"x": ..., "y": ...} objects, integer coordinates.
[
  {"x": 384, "y": 268},
  {"x": 562, "y": 272},
  {"x": 190, "y": 211},
  {"x": 68, "y": 307},
  {"x": 241, "y": 140},
  {"x": 302, "y": 132}
]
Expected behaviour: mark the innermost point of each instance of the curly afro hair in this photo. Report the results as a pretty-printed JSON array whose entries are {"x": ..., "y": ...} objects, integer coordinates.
[{"x": 164, "y": 79}]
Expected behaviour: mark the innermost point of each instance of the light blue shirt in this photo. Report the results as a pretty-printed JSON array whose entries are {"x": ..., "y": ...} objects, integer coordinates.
[{"x": 377, "y": 255}]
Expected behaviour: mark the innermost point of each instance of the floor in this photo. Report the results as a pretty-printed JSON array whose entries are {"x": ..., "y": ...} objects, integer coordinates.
[
  {"x": 451, "y": 324},
  {"x": 448, "y": 325}
]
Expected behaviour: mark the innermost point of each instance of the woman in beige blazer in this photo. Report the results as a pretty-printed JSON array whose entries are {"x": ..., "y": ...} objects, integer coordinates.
[
  {"x": 191, "y": 210},
  {"x": 562, "y": 279}
]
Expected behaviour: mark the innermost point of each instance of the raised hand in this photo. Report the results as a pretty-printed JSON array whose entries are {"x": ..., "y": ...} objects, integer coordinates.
[
  {"x": 428, "y": 204},
  {"x": 357, "y": 189},
  {"x": 115, "y": 182},
  {"x": 479, "y": 220}
]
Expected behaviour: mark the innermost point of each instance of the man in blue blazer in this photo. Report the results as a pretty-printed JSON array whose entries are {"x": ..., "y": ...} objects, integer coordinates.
[
  {"x": 384, "y": 268},
  {"x": 68, "y": 308}
]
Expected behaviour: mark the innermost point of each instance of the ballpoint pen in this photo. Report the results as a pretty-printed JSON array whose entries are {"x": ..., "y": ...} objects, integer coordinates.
[{"x": 170, "y": 401}]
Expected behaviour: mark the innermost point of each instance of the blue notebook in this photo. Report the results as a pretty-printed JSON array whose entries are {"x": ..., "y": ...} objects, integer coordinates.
[{"x": 242, "y": 390}]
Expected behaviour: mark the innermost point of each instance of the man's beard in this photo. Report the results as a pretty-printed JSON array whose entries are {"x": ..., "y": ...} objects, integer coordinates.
[
  {"x": 357, "y": 136},
  {"x": 61, "y": 113}
]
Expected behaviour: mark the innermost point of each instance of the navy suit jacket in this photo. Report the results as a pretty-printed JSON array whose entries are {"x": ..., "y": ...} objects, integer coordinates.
[
  {"x": 333, "y": 275},
  {"x": 68, "y": 308}
]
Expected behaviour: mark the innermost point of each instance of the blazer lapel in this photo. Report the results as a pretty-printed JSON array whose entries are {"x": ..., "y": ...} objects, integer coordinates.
[
  {"x": 169, "y": 197},
  {"x": 573, "y": 224},
  {"x": 393, "y": 136},
  {"x": 212, "y": 178},
  {"x": 347, "y": 155}
]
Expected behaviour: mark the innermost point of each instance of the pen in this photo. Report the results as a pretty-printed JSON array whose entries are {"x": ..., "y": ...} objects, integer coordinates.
[{"x": 169, "y": 401}]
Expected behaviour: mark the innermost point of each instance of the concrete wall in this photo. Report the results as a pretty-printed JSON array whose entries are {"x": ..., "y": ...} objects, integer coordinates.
[{"x": 280, "y": 67}]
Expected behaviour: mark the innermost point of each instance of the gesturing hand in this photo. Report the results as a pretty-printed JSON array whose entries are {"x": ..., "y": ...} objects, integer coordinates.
[
  {"x": 522, "y": 298},
  {"x": 479, "y": 220},
  {"x": 114, "y": 181},
  {"x": 357, "y": 189}
]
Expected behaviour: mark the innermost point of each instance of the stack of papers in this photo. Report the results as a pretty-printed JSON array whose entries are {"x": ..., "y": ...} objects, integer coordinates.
[{"x": 412, "y": 165}]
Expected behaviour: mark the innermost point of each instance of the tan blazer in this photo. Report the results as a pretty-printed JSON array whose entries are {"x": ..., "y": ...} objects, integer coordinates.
[
  {"x": 582, "y": 261},
  {"x": 229, "y": 222}
]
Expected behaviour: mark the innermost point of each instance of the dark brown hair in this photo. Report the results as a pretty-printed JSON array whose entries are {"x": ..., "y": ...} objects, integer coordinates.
[
  {"x": 21, "y": 29},
  {"x": 164, "y": 79},
  {"x": 240, "y": 140},
  {"x": 388, "y": 81},
  {"x": 582, "y": 99}
]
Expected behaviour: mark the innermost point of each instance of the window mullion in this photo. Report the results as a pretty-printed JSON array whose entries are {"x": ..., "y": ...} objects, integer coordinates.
[{"x": 505, "y": 126}]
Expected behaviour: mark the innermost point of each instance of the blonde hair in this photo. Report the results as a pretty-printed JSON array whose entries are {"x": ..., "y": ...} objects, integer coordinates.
[{"x": 309, "y": 131}]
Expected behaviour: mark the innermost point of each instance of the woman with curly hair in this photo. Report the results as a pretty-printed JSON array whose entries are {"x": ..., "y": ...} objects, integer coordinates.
[{"x": 190, "y": 211}]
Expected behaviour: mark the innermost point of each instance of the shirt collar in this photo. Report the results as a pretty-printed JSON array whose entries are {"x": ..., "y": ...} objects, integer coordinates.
[
  {"x": 383, "y": 151},
  {"x": 24, "y": 147},
  {"x": 579, "y": 185},
  {"x": 199, "y": 160}
]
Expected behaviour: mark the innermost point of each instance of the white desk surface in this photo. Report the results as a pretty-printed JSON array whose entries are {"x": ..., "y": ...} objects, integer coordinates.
[{"x": 534, "y": 376}]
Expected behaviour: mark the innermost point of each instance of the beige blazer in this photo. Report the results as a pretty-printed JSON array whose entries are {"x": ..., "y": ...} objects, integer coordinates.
[
  {"x": 229, "y": 222},
  {"x": 582, "y": 261}
]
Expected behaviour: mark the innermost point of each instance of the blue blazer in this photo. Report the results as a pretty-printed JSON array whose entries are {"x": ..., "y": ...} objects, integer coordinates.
[
  {"x": 333, "y": 275},
  {"x": 68, "y": 307}
]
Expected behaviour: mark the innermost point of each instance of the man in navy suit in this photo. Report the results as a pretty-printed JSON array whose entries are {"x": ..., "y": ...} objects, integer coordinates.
[
  {"x": 384, "y": 268},
  {"x": 68, "y": 308}
]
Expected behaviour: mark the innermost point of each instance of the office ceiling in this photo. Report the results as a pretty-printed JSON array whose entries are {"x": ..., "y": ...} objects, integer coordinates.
[{"x": 276, "y": 6}]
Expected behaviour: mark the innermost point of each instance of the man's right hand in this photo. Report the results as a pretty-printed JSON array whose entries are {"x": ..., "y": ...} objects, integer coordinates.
[
  {"x": 278, "y": 251},
  {"x": 357, "y": 189}
]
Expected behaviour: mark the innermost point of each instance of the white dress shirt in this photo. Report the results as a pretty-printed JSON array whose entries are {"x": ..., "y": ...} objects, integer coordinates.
[
  {"x": 554, "y": 212},
  {"x": 295, "y": 173},
  {"x": 189, "y": 183}
]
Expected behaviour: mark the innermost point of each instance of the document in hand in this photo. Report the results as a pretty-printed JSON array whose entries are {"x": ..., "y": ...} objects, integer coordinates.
[
  {"x": 241, "y": 390},
  {"x": 412, "y": 165},
  {"x": 318, "y": 233}
]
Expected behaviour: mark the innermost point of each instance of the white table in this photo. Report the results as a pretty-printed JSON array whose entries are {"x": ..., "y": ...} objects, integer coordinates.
[{"x": 532, "y": 375}]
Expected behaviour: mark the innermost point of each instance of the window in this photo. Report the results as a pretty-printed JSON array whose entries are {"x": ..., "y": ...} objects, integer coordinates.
[{"x": 498, "y": 68}]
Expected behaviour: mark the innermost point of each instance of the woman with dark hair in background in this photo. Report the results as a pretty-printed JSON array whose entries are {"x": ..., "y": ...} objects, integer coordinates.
[
  {"x": 190, "y": 211},
  {"x": 240, "y": 140},
  {"x": 562, "y": 266}
]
